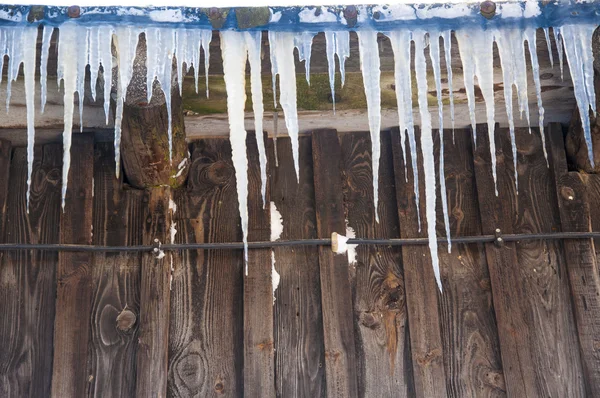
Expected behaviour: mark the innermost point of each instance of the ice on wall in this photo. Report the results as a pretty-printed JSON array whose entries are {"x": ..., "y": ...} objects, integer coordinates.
[
  {"x": 336, "y": 43},
  {"x": 46, "y": 37},
  {"x": 303, "y": 43}
]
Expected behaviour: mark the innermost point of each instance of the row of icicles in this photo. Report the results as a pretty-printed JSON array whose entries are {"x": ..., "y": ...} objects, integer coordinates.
[{"x": 94, "y": 46}]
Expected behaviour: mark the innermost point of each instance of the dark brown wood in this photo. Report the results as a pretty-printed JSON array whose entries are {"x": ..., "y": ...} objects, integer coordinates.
[
  {"x": 28, "y": 278},
  {"x": 5, "y": 158},
  {"x": 206, "y": 326},
  {"x": 116, "y": 281},
  {"x": 531, "y": 298},
  {"x": 336, "y": 294},
  {"x": 421, "y": 289},
  {"x": 299, "y": 350},
  {"x": 384, "y": 356},
  {"x": 259, "y": 367},
  {"x": 74, "y": 276},
  {"x": 574, "y": 202}
]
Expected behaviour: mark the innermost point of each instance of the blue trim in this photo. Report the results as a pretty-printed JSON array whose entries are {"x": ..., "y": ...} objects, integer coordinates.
[{"x": 552, "y": 14}]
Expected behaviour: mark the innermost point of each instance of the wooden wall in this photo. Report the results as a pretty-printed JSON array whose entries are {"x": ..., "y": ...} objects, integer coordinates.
[{"x": 519, "y": 319}]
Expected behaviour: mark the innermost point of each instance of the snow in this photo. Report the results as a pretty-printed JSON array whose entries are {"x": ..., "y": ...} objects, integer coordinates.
[
  {"x": 276, "y": 222},
  {"x": 275, "y": 277}
]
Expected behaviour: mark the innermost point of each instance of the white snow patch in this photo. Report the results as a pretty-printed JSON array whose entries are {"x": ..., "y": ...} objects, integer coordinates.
[
  {"x": 276, "y": 223},
  {"x": 307, "y": 15},
  {"x": 173, "y": 15},
  {"x": 180, "y": 167},
  {"x": 172, "y": 205},
  {"x": 350, "y": 234},
  {"x": 395, "y": 12},
  {"x": 275, "y": 277},
  {"x": 275, "y": 16}
]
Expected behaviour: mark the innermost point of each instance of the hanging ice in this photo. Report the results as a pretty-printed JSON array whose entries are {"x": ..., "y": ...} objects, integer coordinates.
[
  {"x": 535, "y": 70},
  {"x": 46, "y": 37},
  {"x": 14, "y": 50},
  {"x": 105, "y": 34},
  {"x": 549, "y": 44},
  {"x": 189, "y": 43},
  {"x": 234, "y": 50},
  {"x": 559, "y": 49},
  {"x": 447, "y": 36},
  {"x": 28, "y": 45},
  {"x": 400, "y": 40},
  {"x": 427, "y": 151},
  {"x": 337, "y": 43},
  {"x": 282, "y": 63},
  {"x": 369, "y": 66},
  {"x": 303, "y": 42},
  {"x": 578, "y": 46},
  {"x": 434, "y": 53},
  {"x": 475, "y": 47}
]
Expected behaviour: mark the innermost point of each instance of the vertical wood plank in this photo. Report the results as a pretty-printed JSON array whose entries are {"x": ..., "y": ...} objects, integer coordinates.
[
  {"x": 259, "y": 368},
  {"x": 28, "y": 278},
  {"x": 152, "y": 351},
  {"x": 419, "y": 281},
  {"x": 336, "y": 294},
  {"x": 379, "y": 296},
  {"x": 206, "y": 353},
  {"x": 574, "y": 202},
  {"x": 531, "y": 299},
  {"x": 299, "y": 351},
  {"x": 116, "y": 281},
  {"x": 74, "y": 276},
  {"x": 5, "y": 158}
]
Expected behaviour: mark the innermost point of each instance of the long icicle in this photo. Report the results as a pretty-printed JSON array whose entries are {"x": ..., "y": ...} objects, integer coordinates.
[
  {"x": 234, "y": 50},
  {"x": 434, "y": 54},
  {"x": 371, "y": 73},
  {"x": 303, "y": 43},
  {"x": 28, "y": 45},
  {"x": 427, "y": 152},
  {"x": 447, "y": 36},
  {"x": 46, "y": 37},
  {"x": 559, "y": 49}
]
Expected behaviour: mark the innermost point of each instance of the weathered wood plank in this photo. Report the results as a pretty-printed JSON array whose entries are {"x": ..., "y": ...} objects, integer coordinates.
[
  {"x": 206, "y": 325},
  {"x": 28, "y": 278},
  {"x": 384, "y": 358},
  {"x": 575, "y": 198},
  {"x": 116, "y": 281},
  {"x": 420, "y": 286},
  {"x": 74, "y": 276},
  {"x": 5, "y": 158},
  {"x": 531, "y": 300},
  {"x": 336, "y": 294},
  {"x": 259, "y": 367},
  {"x": 299, "y": 350}
]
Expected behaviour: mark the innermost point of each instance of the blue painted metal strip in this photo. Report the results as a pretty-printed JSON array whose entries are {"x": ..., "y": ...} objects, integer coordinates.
[{"x": 317, "y": 19}]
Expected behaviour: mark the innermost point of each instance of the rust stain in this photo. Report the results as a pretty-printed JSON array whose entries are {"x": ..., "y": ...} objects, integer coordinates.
[
  {"x": 429, "y": 357},
  {"x": 332, "y": 355},
  {"x": 266, "y": 345}
]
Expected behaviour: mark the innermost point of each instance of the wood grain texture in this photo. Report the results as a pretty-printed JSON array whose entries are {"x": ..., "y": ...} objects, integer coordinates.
[
  {"x": 206, "y": 325},
  {"x": 531, "y": 298},
  {"x": 116, "y": 281},
  {"x": 299, "y": 350},
  {"x": 5, "y": 158},
  {"x": 576, "y": 198},
  {"x": 74, "y": 276},
  {"x": 383, "y": 348},
  {"x": 28, "y": 278},
  {"x": 420, "y": 286},
  {"x": 469, "y": 332},
  {"x": 259, "y": 368},
  {"x": 336, "y": 294}
]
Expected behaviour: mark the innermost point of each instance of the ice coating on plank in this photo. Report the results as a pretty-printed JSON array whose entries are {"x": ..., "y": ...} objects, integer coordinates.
[
  {"x": 434, "y": 54},
  {"x": 371, "y": 74},
  {"x": 427, "y": 152},
  {"x": 578, "y": 47},
  {"x": 233, "y": 50},
  {"x": 46, "y": 37},
  {"x": 303, "y": 42},
  {"x": 337, "y": 43},
  {"x": 447, "y": 36},
  {"x": 28, "y": 44},
  {"x": 535, "y": 70},
  {"x": 510, "y": 43},
  {"x": 253, "y": 42},
  {"x": 400, "y": 40},
  {"x": 475, "y": 45},
  {"x": 282, "y": 61},
  {"x": 559, "y": 49}
]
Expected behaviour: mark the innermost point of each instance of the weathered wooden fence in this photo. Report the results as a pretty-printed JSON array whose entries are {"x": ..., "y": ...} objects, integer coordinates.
[{"x": 521, "y": 319}]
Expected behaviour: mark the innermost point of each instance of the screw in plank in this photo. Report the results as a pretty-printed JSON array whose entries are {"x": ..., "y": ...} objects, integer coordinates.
[
  {"x": 74, "y": 12},
  {"x": 567, "y": 193}
]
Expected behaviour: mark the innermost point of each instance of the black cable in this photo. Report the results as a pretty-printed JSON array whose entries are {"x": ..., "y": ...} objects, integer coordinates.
[{"x": 303, "y": 242}]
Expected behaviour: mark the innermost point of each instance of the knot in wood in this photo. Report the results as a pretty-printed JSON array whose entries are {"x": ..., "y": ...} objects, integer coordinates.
[
  {"x": 219, "y": 388},
  {"x": 369, "y": 320},
  {"x": 219, "y": 173},
  {"x": 567, "y": 193},
  {"x": 126, "y": 320}
]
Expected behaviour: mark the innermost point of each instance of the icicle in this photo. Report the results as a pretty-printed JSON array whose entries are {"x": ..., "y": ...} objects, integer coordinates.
[
  {"x": 46, "y": 37},
  {"x": 475, "y": 47},
  {"x": 15, "y": 58},
  {"x": 434, "y": 54},
  {"x": 206, "y": 36},
  {"x": 578, "y": 46},
  {"x": 303, "y": 43},
  {"x": 126, "y": 41},
  {"x": 549, "y": 44},
  {"x": 400, "y": 40},
  {"x": 559, "y": 49},
  {"x": 233, "y": 48},
  {"x": 510, "y": 42},
  {"x": 369, "y": 66},
  {"x": 253, "y": 43},
  {"x": 94, "y": 58},
  {"x": 447, "y": 36},
  {"x": 282, "y": 57},
  {"x": 535, "y": 70},
  {"x": 337, "y": 43},
  {"x": 427, "y": 152},
  {"x": 28, "y": 46},
  {"x": 82, "y": 55},
  {"x": 3, "y": 49},
  {"x": 105, "y": 34}
]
